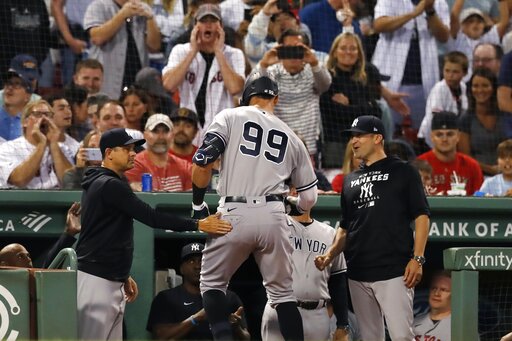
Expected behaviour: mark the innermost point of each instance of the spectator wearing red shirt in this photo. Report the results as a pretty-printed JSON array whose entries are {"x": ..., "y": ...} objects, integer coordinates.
[
  {"x": 450, "y": 166},
  {"x": 170, "y": 173},
  {"x": 185, "y": 127}
]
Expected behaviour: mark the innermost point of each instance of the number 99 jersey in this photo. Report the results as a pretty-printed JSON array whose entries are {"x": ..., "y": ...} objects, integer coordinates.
[{"x": 261, "y": 153}]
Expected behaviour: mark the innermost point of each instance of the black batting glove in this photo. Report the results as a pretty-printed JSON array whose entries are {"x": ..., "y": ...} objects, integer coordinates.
[{"x": 200, "y": 211}]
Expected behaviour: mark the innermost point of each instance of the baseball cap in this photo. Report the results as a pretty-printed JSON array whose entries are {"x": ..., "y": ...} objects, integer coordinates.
[
  {"x": 25, "y": 82},
  {"x": 157, "y": 119},
  {"x": 190, "y": 250},
  {"x": 466, "y": 13},
  {"x": 366, "y": 124},
  {"x": 26, "y": 65},
  {"x": 185, "y": 113},
  {"x": 444, "y": 120},
  {"x": 150, "y": 79},
  {"x": 208, "y": 9},
  {"x": 117, "y": 137}
]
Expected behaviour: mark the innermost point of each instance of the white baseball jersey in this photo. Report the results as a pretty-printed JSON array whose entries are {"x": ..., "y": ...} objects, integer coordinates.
[
  {"x": 310, "y": 241},
  {"x": 309, "y": 284},
  {"x": 217, "y": 96},
  {"x": 261, "y": 153},
  {"x": 425, "y": 329}
]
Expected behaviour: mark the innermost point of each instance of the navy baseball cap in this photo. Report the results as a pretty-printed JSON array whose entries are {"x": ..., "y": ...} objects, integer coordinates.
[
  {"x": 366, "y": 124},
  {"x": 25, "y": 82},
  {"x": 25, "y": 65},
  {"x": 117, "y": 137},
  {"x": 444, "y": 120},
  {"x": 192, "y": 249}
]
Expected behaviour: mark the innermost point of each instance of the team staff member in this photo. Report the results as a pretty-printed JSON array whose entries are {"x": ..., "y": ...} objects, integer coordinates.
[
  {"x": 258, "y": 153},
  {"x": 384, "y": 260},
  {"x": 105, "y": 246},
  {"x": 313, "y": 289}
]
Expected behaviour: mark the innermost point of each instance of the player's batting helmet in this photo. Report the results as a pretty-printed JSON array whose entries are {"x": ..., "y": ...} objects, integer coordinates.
[{"x": 263, "y": 86}]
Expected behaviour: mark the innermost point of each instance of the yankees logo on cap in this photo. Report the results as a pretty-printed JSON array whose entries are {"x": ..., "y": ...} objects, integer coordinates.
[
  {"x": 191, "y": 250},
  {"x": 366, "y": 124}
]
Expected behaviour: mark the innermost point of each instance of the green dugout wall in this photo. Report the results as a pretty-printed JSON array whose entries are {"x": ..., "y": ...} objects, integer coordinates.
[{"x": 36, "y": 218}]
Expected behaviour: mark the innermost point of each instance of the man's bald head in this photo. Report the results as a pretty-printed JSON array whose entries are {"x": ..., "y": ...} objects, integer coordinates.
[{"x": 15, "y": 255}]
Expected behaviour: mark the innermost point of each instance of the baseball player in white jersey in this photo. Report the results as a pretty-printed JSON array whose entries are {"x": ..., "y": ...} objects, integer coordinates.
[
  {"x": 314, "y": 289},
  {"x": 258, "y": 153}
]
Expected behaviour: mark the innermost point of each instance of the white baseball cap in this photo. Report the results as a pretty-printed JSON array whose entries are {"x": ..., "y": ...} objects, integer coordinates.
[
  {"x": 466, "y": 13},
  {"x": 157, "y": 119}
]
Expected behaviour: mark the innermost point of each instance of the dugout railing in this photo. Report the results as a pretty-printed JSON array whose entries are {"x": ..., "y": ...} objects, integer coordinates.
[
  {"x": 37, "y": 218},
  {"x": 466, "y": 263}
]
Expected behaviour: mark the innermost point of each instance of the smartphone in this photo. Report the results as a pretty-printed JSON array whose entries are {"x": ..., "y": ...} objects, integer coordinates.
[
  {"x": 93, "y": 154},
  {"x": 248, "y": 14},
  {"x": 290, "y": 52}
]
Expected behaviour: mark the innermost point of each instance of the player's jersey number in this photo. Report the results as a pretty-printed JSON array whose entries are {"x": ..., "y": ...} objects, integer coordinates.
[{"x": 274, "y": 149}]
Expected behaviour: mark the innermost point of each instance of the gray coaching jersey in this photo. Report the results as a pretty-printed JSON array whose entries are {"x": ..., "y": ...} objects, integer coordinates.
[
  {"x": 310, "y": 284},
  {"x": 425, "y": 329},
  {"x": 261, "y": 153}
]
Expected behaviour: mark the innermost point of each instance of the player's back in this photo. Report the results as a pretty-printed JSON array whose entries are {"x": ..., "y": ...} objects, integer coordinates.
[{"x": 261, "y": 153}]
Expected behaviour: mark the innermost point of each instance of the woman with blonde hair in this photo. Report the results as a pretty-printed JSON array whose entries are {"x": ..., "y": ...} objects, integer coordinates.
[{"x": 354, "y": 91}]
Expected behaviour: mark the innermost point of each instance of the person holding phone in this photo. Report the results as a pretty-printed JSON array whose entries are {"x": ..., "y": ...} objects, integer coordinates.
[
  {"x": 301, "y": 79},
  {"x": 34, "y": 160},
  {"x": 88, "y": 155}
]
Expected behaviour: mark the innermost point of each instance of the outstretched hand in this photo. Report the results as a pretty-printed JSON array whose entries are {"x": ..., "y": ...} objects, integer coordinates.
[
  {"x": 73, "y": 225},
  {"x": 214, "y": 225}
]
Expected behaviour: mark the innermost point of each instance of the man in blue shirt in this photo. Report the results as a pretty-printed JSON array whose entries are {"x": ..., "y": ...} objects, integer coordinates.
[
  {"x": 16, "y": 94},
  {"x": 321, "y": 19}
]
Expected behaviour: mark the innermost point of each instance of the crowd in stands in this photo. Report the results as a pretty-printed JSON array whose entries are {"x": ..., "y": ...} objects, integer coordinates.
[
  {"x": 163, "y": 69},
  {"x": 103, "y": 64}
]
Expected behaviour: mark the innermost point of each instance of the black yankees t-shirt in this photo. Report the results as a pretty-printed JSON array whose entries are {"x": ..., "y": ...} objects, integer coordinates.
[{"x": 379, "y": 202}]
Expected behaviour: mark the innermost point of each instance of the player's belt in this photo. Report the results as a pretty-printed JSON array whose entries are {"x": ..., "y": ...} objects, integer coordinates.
[
  {"x": 312, "y": 305},
  {"x": 271, "y": 197}
]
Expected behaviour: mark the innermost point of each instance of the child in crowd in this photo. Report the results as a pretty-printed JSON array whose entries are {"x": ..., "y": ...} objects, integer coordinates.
[
  {"x": 501, "y": 184},
  {"x": 467, "y": 28},
  {"x": 425, "y": 170},
  {"x": 449, "y": 94}
]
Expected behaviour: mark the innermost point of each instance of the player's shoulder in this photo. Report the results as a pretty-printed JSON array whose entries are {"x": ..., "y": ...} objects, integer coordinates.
[{"x": 324, "y": 227}]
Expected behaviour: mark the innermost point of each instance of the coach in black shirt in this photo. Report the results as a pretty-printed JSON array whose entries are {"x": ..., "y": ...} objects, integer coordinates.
[
  {"x": 384, "y": 260},
  {"x": 105, "y": 246}
]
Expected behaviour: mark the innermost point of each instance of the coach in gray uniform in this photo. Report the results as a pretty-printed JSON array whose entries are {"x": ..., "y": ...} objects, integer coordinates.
[
  {"x": 258, "y": 153},
  {"x": 384, "y": 258}
]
